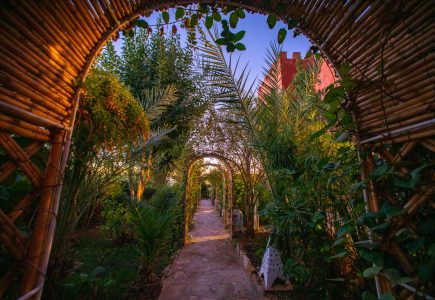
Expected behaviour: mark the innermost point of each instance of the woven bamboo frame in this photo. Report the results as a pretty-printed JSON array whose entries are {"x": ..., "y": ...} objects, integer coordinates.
[{"x": 47, "y": 48}]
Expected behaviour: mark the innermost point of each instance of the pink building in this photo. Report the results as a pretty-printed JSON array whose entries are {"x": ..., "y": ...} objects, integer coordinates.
[{"x": 288, "y": 69}]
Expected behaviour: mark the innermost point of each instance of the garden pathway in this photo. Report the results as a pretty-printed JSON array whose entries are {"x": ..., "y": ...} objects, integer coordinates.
[{"x": 207, "y": 267}]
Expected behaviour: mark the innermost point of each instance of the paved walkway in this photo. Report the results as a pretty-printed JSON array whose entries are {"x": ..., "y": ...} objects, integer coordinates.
[{"x": 207, "y": 267}]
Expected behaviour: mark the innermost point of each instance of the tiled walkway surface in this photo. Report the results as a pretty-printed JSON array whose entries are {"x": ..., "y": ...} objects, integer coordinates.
[{"x": 207, "y": 267}]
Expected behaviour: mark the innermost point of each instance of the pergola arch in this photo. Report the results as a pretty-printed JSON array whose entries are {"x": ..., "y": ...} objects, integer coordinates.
[
  {"x": 47, "y": 48},
  {"x": 228, "y": 182}
]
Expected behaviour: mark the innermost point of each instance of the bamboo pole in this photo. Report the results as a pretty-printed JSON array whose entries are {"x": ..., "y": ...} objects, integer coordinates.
[
  {"x": 407, "y": 136},
  {"x": 37, "y": 71},
  {"x": 28, "y": 116},
  {"x": 11, "y": 74},
  {"x": 36, "y": 96},
  {"x": 37, "y": 247},
  {"x": 404, "y": 151},
  {"x": 411, "y": 207},
  {"x": 100, "y": 13},
  {"x": 9, "y": 167},
  {"x": 390, "y": 159},
  {"x": 59, "y": 20},
  {"x": 9, "y": 96},
  {"x": 19, "y": 124},
  {"x": 84, "y": 12},
  {"x": 428, "y": 144},
  {"x": 70, "y": 25},
  {"x": 19, "y": 208},
  {"x": 46, "y": 28},
  {"x": 81, "y": 21},
  {"x": 22, "y": 160},
  {"x": 12, "y": 128},
  {"x": 417, "y": 14},
  {"x": 400, "y": 131},
  {"x": 44, "y": 41},
  {"x": 57, "y": 191},
  {"x": 396, "y": 125},
  {"x": 38, "y": 59},
  {"x": 402, "y": 121},
  {"x": 11, "y": 237}
]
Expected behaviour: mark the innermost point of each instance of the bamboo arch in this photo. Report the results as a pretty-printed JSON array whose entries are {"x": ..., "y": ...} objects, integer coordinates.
[{"x": 47, "y": 48}]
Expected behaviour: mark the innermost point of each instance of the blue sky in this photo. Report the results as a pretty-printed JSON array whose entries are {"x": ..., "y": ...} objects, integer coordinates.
[{"x": 257, "y": 40}]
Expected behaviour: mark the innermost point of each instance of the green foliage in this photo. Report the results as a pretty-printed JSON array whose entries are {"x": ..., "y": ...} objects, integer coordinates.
[
  {"x": 118, "y": 219},
  {"x": 110, "y": 121},
  {"x": 165, "y": 17},
  {"x": 282, "y": 33},
  {"x": 190, "y": 18},
  {"x": 158, "y": 229},
  {"x": 310, "y": 178},
  {"x": 271, "y": 21},
  {"x": 229, "y": 38},
  {"x": 151, "y": 228},
  {"x": 159, "y": 70},
  {"x": 91, "y": 252},
  {"x": 118, "y": 116},
  {"x": 94, "y": 285},
  {"x": 416, "y": 244},
  {"x": 311, "y": 181}
]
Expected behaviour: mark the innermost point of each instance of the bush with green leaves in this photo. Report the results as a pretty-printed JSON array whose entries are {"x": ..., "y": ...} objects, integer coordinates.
[
  {"x": 118, "y": 219},
  {"x": 109, "y": 121},
  {"x": 92, "y": 286},
  {"x": 158, "y": 226}
]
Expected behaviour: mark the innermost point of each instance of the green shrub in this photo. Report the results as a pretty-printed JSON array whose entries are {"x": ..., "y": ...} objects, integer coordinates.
[
  {"x": 118, "y": 218},
  {"x": 95, "y": 285}
]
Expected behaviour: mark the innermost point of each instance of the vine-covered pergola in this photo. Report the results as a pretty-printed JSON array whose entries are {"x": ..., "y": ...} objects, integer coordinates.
[
  {"x": 47, "y": 48},
  {"x": 228, "y": 182}
]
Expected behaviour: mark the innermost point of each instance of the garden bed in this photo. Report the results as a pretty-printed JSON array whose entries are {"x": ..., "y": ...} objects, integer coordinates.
[
  {"x": 250, "y": 250},
  {"x": 92, "y": 249}
]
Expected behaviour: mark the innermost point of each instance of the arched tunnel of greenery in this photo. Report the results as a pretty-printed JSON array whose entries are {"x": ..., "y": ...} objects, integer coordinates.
[{"x": 166, "y": 119}]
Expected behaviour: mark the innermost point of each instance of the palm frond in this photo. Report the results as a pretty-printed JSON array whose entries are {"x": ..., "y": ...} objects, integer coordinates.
[
  {"x": 156, "y": 101},
  {"x": 155, "y": 138}
]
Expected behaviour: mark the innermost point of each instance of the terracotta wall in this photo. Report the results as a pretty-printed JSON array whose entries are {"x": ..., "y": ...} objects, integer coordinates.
[{"x": 326, "y": 74}]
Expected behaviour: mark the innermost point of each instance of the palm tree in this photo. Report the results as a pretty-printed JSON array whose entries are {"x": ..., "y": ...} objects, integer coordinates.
[{"x": 155, "y": 101}]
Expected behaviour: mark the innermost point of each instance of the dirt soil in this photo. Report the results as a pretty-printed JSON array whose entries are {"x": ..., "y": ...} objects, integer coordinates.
[{"x": 254, "y": 246}]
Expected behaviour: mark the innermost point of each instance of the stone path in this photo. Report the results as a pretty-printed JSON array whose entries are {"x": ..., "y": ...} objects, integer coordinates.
[{"x": 207, "y": 268}]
